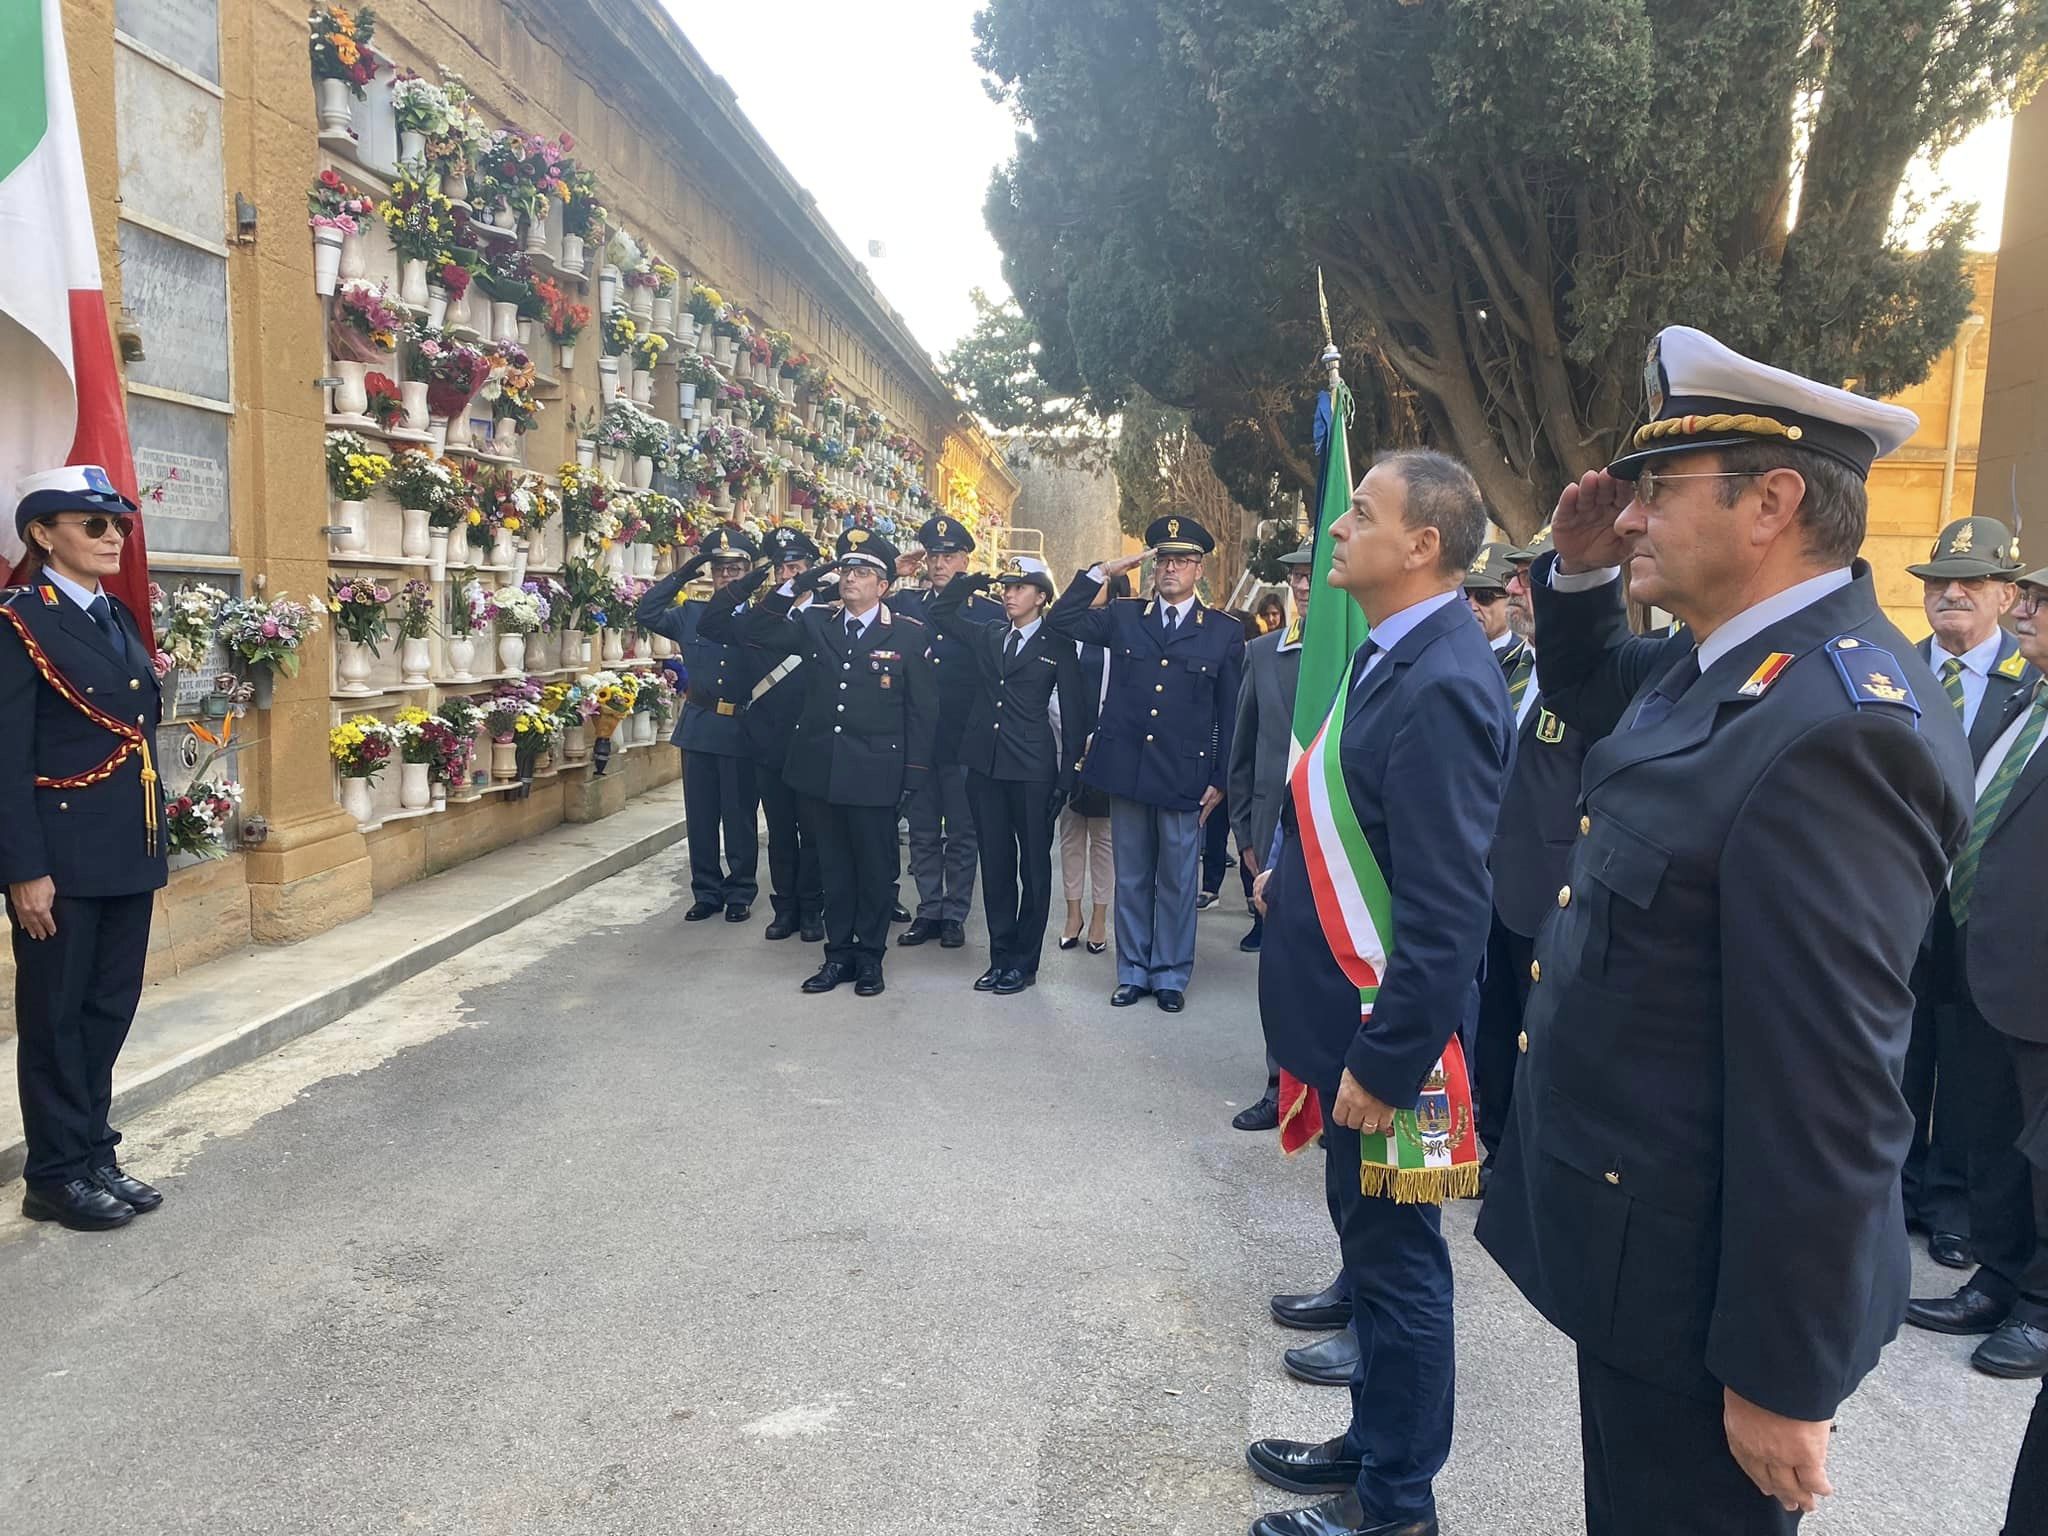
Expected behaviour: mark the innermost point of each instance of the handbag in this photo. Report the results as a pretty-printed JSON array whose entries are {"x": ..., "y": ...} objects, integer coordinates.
[{"x": 1087, "y": 800}]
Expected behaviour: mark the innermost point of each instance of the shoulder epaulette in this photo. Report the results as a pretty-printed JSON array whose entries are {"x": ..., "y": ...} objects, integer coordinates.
[{"x": 1871, "y": 673}]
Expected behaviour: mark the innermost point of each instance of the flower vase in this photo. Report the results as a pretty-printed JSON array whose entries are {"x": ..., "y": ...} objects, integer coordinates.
[
  {"x": 519, "y": 559},
  {"x": 707, "y": 341},
  {"x": 686, "y": 396},
  {"x": 415, "y": 662},
  {"x": 331, "y": 99},
  {"x": 461, "y": 652},
  {"x": 529, "y": 341},
  {"x": 540, "y": 656},
  {"x": 505, "y": 437},
  {"x": 461, "y": 319},
  {"x": 413, "y": 541},
  {"x": 724, "y": 499},
  {"x": 575, "y": 546},
  {"x": 640, "y": 305},
  {"x": 413, "y": 394},
  {"x": 663, "y": 647},
  {"x": 686, "y": 328},
  {"x": 643, "y": 387},
  {"x": 458, "y": 432},
  {"x": 504, "y": 323},
  {"x": 572, "y": 256},
  {"x": 412, "y": 147},
  {"x": 614, "y": 645},
  {"x": 455, "y": 185},
  {"x": 355, "y": 799},
  {"x": 501, "y": 548},
  {"x": 566, "y": 351},
  {"x": 511, "y": 653},
  {"x": 351, "y": 396},
  {"x": 414, "y": 792},
  {"x": 504, "y": 762},
  {"x": 440, "y": 795},
  {"x": 665, "y": 313},
  {"x": 643, "y": 471},
  {"x": 575, "y": 743},
  {"x": 607, "y": 288},
  {"x": 608, "y": 379},
  {"x": 536, "y": 236},
  {"x": 412, "y": 284},
  {"x": 610, "y": 462},
  {"x": 327, "y": 242},
  {"x": 351, "y": 666},
  {"x": 437, "y": 305},
  {"x": 643, "y": 561},
  {"x": 615, "y": 560},
  {"x": 351, "y": 528},
  {"x": 571, "y": 652},
  {"x": 586, "y": 451}
]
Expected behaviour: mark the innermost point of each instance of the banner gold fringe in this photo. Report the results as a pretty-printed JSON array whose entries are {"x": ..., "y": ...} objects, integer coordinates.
[{"x": 1420, "y": 1186}]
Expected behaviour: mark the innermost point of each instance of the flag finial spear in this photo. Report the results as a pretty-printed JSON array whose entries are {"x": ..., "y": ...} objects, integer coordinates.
[{"x": 1331, "y": 356}]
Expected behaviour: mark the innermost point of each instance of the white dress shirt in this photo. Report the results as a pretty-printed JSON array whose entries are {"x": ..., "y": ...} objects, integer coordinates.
[
  {"x": 2001, "y": 749},
  {"x": 1502, "y": 641},
  {"x": 1023, "y": 632},
  {"x": 85, "y": 597},
  {"x": 1395, "y": 627},
  {"x": 1977, "y": 662},
  {"x": 1746, "y": 625}
]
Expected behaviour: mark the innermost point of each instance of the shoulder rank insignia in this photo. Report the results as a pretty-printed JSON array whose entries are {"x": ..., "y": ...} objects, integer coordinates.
[
  {"x": 49, "y": 594},
  {"x": 1870, "y": 673},
  {"x": 1765, "y": 675},
  {"x": 2014, "y": 666}
]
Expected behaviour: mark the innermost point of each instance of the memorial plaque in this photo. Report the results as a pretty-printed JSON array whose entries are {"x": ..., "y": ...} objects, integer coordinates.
[
  {"x": 179, "y": 297},
  {"x": 192, "y": 517},
  {"x": 185, "y": 31},
  {"x": 185, "y": 692},
  {"x": 169, "y": 132}
]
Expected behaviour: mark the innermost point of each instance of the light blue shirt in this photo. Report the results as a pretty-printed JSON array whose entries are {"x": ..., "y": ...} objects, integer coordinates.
[
  {"x": 85, "y": 597},
  {"x": 1976, "y": 674},
  {"x": 1395, "y": 627}
]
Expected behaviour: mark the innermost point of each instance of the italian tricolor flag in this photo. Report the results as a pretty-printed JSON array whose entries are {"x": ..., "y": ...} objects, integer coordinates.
[{"x": 56, "y": 348}]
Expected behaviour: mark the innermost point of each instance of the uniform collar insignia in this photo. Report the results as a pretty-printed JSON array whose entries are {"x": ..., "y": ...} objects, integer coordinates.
[
  {"x": 49, "y": 595},
  {"x": 1766, "y": 674},
  {"x": 2014, "y": 666}
]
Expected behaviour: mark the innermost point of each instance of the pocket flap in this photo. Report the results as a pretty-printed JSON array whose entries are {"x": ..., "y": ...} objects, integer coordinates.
[{"x": 1627, "y": 863}]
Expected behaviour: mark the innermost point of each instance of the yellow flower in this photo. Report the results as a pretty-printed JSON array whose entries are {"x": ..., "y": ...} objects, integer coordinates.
[
  {"x": 475, "y": 517},
  {"x": 344, "y": 49},
  {"x": 511, "y": 523}
]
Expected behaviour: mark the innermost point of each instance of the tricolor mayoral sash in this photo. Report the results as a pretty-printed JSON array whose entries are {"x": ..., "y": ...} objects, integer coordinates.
[{"x": 1432, "y": 1153}]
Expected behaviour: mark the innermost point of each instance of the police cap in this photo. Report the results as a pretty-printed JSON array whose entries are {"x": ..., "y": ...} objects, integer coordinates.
[{"x": 1176, "y": 534}]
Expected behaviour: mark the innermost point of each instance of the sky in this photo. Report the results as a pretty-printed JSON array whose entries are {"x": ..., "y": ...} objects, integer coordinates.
[{"x": 886, "y": 123}]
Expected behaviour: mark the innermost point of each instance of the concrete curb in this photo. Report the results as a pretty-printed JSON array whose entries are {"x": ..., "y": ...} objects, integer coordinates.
[{"x": 264, "y": 1034}]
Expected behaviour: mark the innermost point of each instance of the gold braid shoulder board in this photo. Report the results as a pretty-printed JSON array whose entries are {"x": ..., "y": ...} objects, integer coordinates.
[{"x": 132, "y": 738}]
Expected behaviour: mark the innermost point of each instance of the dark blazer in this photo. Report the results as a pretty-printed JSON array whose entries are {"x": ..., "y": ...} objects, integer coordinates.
[
  {"x": 772, "y": 705},
  {"x": 864, "y": 736},
  {"x": 2004, "y": 690},
  {"x": 2005, "y": 942},
  {"x": 1426, "y": 749},
  {"x": 1009, "y": 726},
  {"x": 1164, "y": 733},
  {"x": 1262, "y": 737},
  {"x": 952, "y": 667},
  {"x": 1700, "y": 1177},
  {"x": 713, "y": 714},
  {"x": 1539, "y": 816},
  {"x": 92, "y": 840}
]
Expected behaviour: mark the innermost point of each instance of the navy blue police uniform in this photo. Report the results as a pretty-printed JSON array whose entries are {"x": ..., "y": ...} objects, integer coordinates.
[
  {"x": 1700, "y": 1179},
  {"x": 80, "y": 805},
  {"x": 719, "y": 798}
]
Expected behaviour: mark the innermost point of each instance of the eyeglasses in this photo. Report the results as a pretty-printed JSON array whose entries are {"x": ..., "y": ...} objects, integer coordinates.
[
  {"x": 1178, "y": 562},
  {"x": 1649, "y": 481},
  {"x": 1485, "y": 599},
  {"x": 2029, "y": 599},
  {"x": 96, "y": 524}
]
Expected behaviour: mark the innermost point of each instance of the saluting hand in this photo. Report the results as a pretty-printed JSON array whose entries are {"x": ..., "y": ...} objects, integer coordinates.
[
  {"x": 1582, "y": 526},
  {"x": 1123, "y": 563},
  {"x": 1786, "y": 1458},
  {"x": 1357, "y": 1110},
  {"x": 32, "y": 902}
]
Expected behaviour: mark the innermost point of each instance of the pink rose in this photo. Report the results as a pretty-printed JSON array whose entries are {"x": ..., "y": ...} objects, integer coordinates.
[
  {"x": 383, "y": 594},
  {"x": 270, "y": 629}
]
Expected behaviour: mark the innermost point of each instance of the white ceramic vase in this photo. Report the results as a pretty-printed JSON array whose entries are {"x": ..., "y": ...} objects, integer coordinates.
[
  {"x": 504, "y": 323},
  {"x": 412, "y": 534},
  {"x": 412, "y": 146},
  {"x": 413, "y": 394},
  {"x": 540, "y": 656},
  {"x": 461, "y": 314},
  {"x": 458, "y": 432},
  {"x": 607, "y": 288},
  {"x": 572, "y": 255},
  {"x": 437, "y": 305},
  {"x": 643, "y": 387},
  {"x": 571, "y": 653},
  {"x": 327, "y": 244},
  {"x": 351, "y": 667},
  {"x": 355, "y": 799},
  {"x": 352, "y": 520},
  {"x": 415, "y": 661},
  {"x": 351, "y": 397},
  {"x": 415, "y": 792},
  {"x": 505, "y": 438},
  {"x": 412, "y": 284},
  {"x": 536, "y": 236},
  {"x": 455, "y": 185},
  {"x": 686, "y": 396},
  {"x": 331, "y": 100},
  {"x": 608, "y": 379},
  {"x": 614, "y": 645},
  {"x": 665, "y": 313},
  {"x": 615, "y": 559},
  {"x": 501, "y": 547},
  {"x": 643, "y": 471},
  {"x": 437, "y": 551},
  {"x": 461, "y": 651},
  {"x": 504, "y": 761},
  {"x": 511, "y": 653},
  {"x": 576, "y": 743},
  {"x": 566, "y": 351}
]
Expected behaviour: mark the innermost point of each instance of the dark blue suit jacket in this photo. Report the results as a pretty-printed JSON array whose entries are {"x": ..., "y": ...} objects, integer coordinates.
[
  {"x": 1427, "y": 744},
  {"x": 718, "y": 672},
  {"x": 90, "y": 841}
]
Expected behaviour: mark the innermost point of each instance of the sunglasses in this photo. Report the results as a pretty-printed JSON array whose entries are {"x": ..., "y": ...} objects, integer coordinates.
[
  {"x": 1486, "y": 598},
  {"x": 96, "y": 524}
]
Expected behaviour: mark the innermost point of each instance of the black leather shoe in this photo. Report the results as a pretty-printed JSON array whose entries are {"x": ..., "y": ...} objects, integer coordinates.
[
  {"x": 828, "y": 976},
  {"x": 952, "y": 936},
  {"x": 1341, "y": 1516},
  {"x": 1013, "y": 981},
  {"x": 870, "y": 983},
  {"x": 901, "y": 914},
  {"x": 2015, "y": 1350},
  {"x": 1127, "y": 994},
  {"x": 780, "y": 928},
  {"x": 1325, "y": 1363},
  {"x": 1326, "y": 1309},
  {"x": 1950, "y": 1250},
  {"x": 1300, "y": 1467},
  {"x": 1205, "y": 901},
  {"x": 79, "y": 1204},
  {"x": 812, "y": 933},
  {"x": 701, "y": 910},
  {"x": 127, "y": 1188},
  {"x": 1968, "y": 1311},
  {"x": 1251, "y": 941},
  {"x": 918, "y": 932},
  {"x": 738, "y": 912},
  {"x": 1262, "y": 1116},
  {"x": 986, "y": 981},
  {"x": 1170, "y": 999}
]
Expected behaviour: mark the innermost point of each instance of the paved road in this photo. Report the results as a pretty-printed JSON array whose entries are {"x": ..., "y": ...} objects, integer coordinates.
[{"x": 601, "y": 1228}]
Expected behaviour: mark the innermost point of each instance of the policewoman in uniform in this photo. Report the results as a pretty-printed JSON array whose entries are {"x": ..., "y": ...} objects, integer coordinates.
[
  {"x": 719, "y": 800},
  {"x": 1700, "y": 1179},
  {"x": 775, "y": 696},
  {"x": 81, "y": 839},
  {"x": 862, "y": 744},
  {"x": 1016, "y": 781},
  {"x": 1161, "y": 749}
]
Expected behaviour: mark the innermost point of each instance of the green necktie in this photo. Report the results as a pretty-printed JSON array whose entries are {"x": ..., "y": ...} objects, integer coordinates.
[
  {"x": 1952, "y": 681},
  {"x": 1964, "y": 877},
  {"x": 1518, "y": 679}
]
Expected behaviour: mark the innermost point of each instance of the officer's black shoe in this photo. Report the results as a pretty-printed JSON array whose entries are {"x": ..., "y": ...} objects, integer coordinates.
[
  {"x": 1013, "y": 981},
  {"x": 1205, "y": 901},
  {"x": 901, "y": 914},
  {"x": 79, "y": 1204},
  {"x": 2015, "y": 1350},
  {"x": 952, "y": 936},
  {"x": 1949, "y": 1249},
  {"x": 918, "y": 932},
  {"x": 782, "y": 928},
  {"x": 1341, "y": 1516},
  {"x": 1301, "y": 1467},
  {"x": 870, "y": 983},
  {"x": 1170, "y": 999},
  {"x": 700, "y": 910},
  {"x": 1262, "y": 1116},
  {"x": 1968, "y": 1311},
  {"x": 812, "y": 933},
  {"x": 126, "y": 1187},
  {"x": 1250, "y": 942},
  {"x": 1128, "y": 994},
  {"x": 1328, "y": 1308},
  {"x": 738, "y": 912},
  {"x": 828, "y": 976},
  {"x": 986, "y": 981},
  {"x": 1325, "y": 1363}
]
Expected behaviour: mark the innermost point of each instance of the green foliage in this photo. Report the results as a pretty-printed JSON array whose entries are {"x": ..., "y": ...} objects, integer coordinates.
[
  {"x": 993, "y": 371},
  {"x": 1506, "y": 197}
]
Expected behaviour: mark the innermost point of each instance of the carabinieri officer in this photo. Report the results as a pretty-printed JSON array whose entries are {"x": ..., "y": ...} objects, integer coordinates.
[
  {"x": 82, "y": 845},
  {"x": 718, "y": 760},
  {"x": 1016, "y": 782}
]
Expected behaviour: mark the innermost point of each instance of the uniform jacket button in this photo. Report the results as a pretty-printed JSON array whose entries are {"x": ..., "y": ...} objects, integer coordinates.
[
  {"x": 63, "y": 805},
  {"x": 1564, "y": 896},
  {"x": 1535, "y": 970},
  {"x": 1148, "y": 738},
  {"x": 1522, "y": 1042},
  {"x": 1162, "y": 661},
  {"x": 842, "y": 685},
  {"x": 997, "y": 726},
  {"x": 837, "y": 729},
  {"x": 999, "y": 703},
  {"x": 1155, "y": 714},
  {"x": 1585, "y": 825},
  {"x": 1612, "y": 1177},
  {"x": 88, "y": 687},
  {"x": 842, "y": 709},
  {"x": 1159, "y": 687}
]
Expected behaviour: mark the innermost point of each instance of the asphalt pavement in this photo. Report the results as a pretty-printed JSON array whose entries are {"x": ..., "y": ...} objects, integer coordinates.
[{"x": 601, "y": 1227}]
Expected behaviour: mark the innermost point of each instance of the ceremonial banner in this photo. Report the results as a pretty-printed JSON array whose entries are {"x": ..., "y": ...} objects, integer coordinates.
[{"x": 56, "y": 349}]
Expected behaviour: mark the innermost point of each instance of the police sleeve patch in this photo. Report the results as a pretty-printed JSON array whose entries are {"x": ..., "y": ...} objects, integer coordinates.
[{"x": 1871, "y": 673}]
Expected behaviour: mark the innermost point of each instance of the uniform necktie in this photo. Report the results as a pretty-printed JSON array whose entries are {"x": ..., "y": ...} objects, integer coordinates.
[
  {"x": 1952, "y": 682},
  {"x": 1664, "y": 698},
  {"x": 1518, "y": 679},
  {"x": 102, "y": 613},
  {"x": 1011, "y": 647},
  {"x": 1172, "y": 621},
  {"x": 853, "y": 631},
  {"x": 1964, "y": 877}
]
